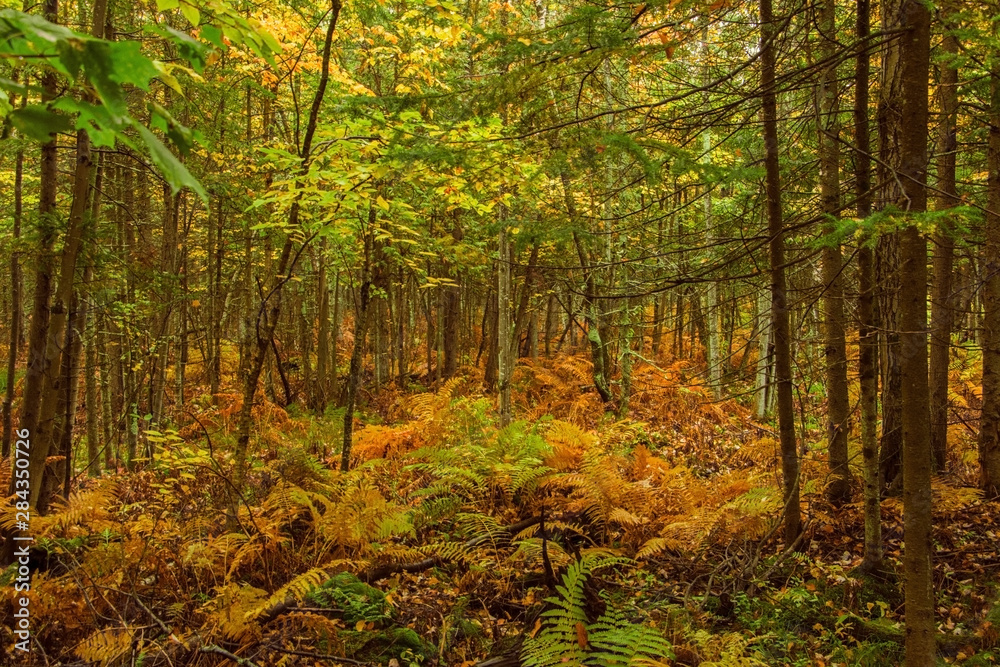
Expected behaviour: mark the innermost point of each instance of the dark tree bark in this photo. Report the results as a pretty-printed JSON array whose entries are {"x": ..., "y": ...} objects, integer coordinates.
[
  {"x": 45, "y": 265},
  {"x": 361, "y": 317},
  {"x": 942, "y": 306},
  {"x": 522, "y": 317},
  {"x": 452, "y": 305},
  {"x": 15, "y": 303},
  {"x": 867, "y": 331},
  {"x": 921, "y": 649},
  {"x": 91, "y": 397},
  {"x": 505, "y": 321},
  {"x": 989, "y": 425},
  {"x": 779, "y": 306},
  {"x": 216, "y": 300},
  {"x": 54, "y": 390},
  {"x": 887, "y": 275},
  {"x": 320, "y": 390},
  {"x": 835, "y": 348},
  {"x": 887, "y": 270},
  {"x": 335, "y": 342}
]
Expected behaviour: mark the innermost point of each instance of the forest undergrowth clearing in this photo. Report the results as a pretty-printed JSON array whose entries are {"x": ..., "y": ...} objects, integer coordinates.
[{"x": 450, "y": 539}]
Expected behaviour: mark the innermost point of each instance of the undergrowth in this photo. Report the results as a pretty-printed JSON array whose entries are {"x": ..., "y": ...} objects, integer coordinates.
[{"x": 555, "y": 540}]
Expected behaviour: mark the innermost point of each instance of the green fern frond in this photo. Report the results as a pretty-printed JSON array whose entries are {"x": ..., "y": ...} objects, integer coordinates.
[{"x": 612, "y": 641}]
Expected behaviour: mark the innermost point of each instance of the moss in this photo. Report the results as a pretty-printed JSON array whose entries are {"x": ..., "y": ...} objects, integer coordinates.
[{"x": 983, "y": 659}]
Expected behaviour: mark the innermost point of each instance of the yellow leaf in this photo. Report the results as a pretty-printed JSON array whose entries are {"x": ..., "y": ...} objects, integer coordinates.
[
  {"x": 381, "y": 203},
  {"x": 360, "y": 625}
]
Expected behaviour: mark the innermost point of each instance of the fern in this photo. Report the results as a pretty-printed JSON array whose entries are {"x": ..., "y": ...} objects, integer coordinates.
[
  {"x": 105, "y": 647},
  {"x": 731, "y": 649},
  {"x": 234, "y": 609},
  {"x": 358, "y": 601},
  {"x": 612, "y": 641},
  {"x": 620, "y": 643},
  {"x": 296, "y": 589}
]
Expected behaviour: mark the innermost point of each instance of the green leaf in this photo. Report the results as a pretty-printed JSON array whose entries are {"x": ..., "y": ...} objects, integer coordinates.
[
  {"x": 172, "y": 169},
  {"x": 98, "y": 61},
  {"x": 95, "y": 118},
  {"x": 38, "y": 123},
  {"x": 191, "y": 49},
  {"x": 182, "y": 137},
  {"x": 212, "y": 35},
  {"x": 10, "y": 86},
  {"x": 191, "y": 13},
  {"x": 131, "y": 66},
  {"x": 166, "y": 5},
  {"x": 270, "y": 41}
]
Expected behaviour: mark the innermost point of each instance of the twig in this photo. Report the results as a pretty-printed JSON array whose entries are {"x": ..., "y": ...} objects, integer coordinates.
[
  {"x": 320, "y": 656},
  {"x": 218, "y": 650}
]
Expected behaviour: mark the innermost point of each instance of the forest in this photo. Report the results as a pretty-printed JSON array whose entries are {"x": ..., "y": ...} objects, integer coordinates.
[{"x": 500, "y": 333}]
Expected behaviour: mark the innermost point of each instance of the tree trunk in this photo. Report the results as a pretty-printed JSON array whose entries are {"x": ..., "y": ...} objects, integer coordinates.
[
  {"x": 110, "y": 370},
  {"x": 589, "y": 305},
  {"x": 129, "y": 356},
  {"x": 887, "y": 269},
  {"x": 627, "y": 333},
  {"x": 62, "y": 472},
  {"x": 838, "y": 402},
  {"x": 489, "y": 338},
  {"x": 216, "y": 301},
  {"x": 335, "y": 342},
  {"x": 921, "y": 648},
  {"x": 15, "y": 303},
  {"x": 867, "y": 331},
  {"x": 550, "y": 323},
  {"x": 319, "y": 392},
  {"x": 779, "y": 308},
  {"x": 183, "y": 316},
  {"x": 711, "y": 340},
  {"x": 38, "y": 359},
  {"x": 887, "y": 276},
  {"x": 524, "y": 310},
  {"x": 400, "y": 343},
  {"x": 942, "y": 301},
  {"x": 452, "y": 308},
  {"x": 989, "y": 425},
  {"x": 357, "y": 354},
  {"x": 303, "y": 319},
  {"x": 762, "y": 389},
  {"x": 505, "y": 356},
  {"x": 91, "y": 397},
  {"x": 53, "y": 380}
]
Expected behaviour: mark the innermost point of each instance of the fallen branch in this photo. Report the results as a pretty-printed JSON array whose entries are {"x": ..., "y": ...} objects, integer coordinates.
[
  {"x": 218, "y": 650},
  {"x": 317, "y": 656}
]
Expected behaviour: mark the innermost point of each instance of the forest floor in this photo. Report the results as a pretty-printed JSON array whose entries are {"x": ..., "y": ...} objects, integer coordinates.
[{"x": 569, "y": 537}]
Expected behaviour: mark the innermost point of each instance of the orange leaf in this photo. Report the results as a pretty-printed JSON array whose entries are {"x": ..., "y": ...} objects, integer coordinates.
[{"x": 581, "y": 635}]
